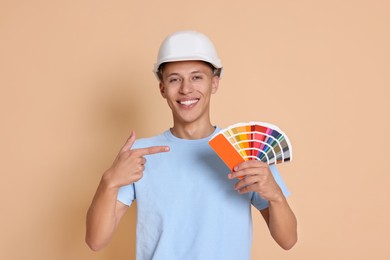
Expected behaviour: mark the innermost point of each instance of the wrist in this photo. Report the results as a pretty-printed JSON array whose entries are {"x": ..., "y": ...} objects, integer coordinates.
[
  {"x": 107, "y": 182},
  {"x": 277, "y": 198}
]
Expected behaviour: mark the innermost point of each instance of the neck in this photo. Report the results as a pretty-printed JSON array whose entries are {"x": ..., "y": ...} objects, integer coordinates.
[{"x": 192, "y": 132}]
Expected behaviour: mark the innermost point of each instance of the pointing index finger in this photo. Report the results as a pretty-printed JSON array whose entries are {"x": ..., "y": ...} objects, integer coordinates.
[{"x": 152, "y": 150}]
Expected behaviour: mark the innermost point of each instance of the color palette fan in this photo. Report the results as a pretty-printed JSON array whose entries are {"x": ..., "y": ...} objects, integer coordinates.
[{"x": 252, "y": 141}]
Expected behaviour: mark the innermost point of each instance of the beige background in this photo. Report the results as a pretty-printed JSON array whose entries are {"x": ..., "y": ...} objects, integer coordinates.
[{"x": 76, "y": 77}]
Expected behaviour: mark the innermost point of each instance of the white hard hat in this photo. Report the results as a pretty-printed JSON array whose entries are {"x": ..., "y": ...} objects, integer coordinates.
[{"x": 187, "y": 45}]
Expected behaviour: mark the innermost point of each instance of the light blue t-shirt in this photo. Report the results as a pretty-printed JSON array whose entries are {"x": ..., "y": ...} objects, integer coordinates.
[{"x": 187, "y": 208}]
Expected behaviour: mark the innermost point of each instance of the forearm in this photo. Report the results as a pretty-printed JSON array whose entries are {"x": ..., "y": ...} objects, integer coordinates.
[
  {"x": 101, "y": 216},
  {"x": 282, "y": 223}
]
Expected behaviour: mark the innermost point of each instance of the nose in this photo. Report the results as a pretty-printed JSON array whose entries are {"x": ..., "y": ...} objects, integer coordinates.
[{"x": 186, "y": 87}]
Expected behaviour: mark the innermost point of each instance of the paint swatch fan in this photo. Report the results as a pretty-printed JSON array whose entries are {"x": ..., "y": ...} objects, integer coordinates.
[{"x": 251, "y": 141}]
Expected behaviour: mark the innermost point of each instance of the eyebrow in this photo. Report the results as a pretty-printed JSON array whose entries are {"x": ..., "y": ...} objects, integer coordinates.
[
  {"x": 173, "y": 74},
  {"x": 197, "y": 71}
]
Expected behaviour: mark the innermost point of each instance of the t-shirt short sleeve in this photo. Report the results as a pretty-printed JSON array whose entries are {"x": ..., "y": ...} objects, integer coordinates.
[
  {"x": 259, "y": 202},
  {"x": 126, "y": 194}
]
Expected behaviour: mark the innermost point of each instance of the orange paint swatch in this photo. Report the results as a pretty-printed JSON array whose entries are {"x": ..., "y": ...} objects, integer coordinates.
[{"x": 226, "y": 151}]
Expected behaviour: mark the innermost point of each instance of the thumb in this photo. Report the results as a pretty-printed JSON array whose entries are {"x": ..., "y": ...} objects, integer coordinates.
[{"x": 129, "y": 143}]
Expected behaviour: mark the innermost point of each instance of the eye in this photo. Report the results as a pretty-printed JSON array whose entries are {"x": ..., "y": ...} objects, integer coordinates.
[
  {"x": 174, "y": 80},
  {"x": 197, "y": 77}
]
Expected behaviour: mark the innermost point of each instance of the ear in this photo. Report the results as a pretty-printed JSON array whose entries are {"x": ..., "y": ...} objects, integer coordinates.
[
  {"x": 162, "y": 89},
  {"x": 214, "y": 84}
]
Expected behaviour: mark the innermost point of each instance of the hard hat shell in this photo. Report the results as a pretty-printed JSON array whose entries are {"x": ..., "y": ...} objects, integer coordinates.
[{"x": 187, "y": 45}]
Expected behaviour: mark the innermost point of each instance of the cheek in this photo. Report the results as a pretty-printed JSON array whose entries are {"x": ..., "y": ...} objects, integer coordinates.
[
  {"x": 171, "y": 100},
  {"x": 166, "y": 92}
]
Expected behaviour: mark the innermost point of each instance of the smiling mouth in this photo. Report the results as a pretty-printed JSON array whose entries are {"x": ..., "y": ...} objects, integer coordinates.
[{"x": 188, "y": 102}]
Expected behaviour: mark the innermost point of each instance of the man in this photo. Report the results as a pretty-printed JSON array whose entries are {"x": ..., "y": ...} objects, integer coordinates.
[{"x": 190, "y": 206}]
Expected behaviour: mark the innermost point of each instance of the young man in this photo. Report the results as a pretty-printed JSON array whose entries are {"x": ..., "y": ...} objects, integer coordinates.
[{"x": 190, "y": 206}]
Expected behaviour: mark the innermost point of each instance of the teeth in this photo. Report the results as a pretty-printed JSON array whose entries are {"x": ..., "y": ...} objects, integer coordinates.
[{"x": 188, "y": 102}]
